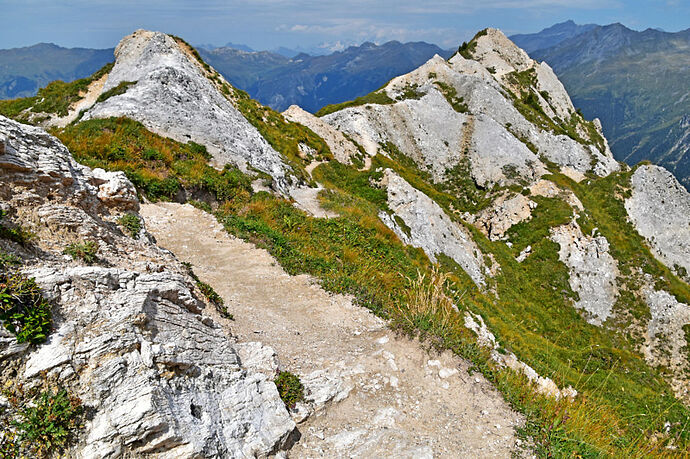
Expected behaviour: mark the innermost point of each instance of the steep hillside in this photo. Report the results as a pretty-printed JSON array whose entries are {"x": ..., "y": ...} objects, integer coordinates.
[
  {"x": 636, "y": 83},
  {"x": 24, "y": 70},
  {"x": 314, "y": 81},
  {"x": 466, "y": 203}
]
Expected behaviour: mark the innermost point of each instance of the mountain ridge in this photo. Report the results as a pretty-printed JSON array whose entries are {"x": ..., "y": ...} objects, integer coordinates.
[{"x": 466, "y": 202}]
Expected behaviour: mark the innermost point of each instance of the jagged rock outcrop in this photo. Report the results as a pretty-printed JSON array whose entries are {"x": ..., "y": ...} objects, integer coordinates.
[
  {"x": 593, "y": 270},
  {"x": 659, "y": 208},
  {"x": 421, "y": 222},
  {"x": 132, "y": 339},
  {"x": 431, "y": 107},
  {"x": 172, "y": 96}
]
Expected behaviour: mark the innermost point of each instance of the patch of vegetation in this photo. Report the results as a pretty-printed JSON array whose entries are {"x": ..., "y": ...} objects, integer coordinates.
[
  {"x": 290, "y": 388},
  {"x": 467, "y": 49},
  {"x": 528, "y": 104},
  {"x": 84, "y": 251},
  {"x": 195, "y": 53},
  {"x": 208, "y": 291},
  {"x": 131, "y": 224},
  {"x": 378, "y": 97},
  {"x": 14, "y": 232},
  {"x": 283, "y": 135},
  {"x": 43, "y": 423},
  {"x": 7, "y": 260},
  {"x": 451, "y": 95},
  {"x": 411, "y": 91},
  {"x": 23, "y": 310},
  {"x": 116, "y": 91},
  {"x": 55, "y": 98}
]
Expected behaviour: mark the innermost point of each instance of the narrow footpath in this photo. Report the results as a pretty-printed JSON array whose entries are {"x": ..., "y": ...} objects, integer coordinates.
[{"x": 387, "y": 396}]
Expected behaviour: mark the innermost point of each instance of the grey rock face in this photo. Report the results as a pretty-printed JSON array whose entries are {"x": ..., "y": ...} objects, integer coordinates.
[
  {"x": 593, "y": 270},
  {"x": 340, "y": 146},
  {"x": 659, "y": 208},
  {"x": 429, "y": 227},
  {"x": 132, "y": 340},
  {"x": 173, "y": 97}
]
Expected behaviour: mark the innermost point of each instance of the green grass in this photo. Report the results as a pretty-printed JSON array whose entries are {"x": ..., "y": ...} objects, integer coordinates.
[
  {"x": 131, "y": 224},
  {"x": 451, "y": 95},
  {"x": 23, "y": 310},
  {"x": 55, "y": 98},
  {"x": 42, "y": 424},
  {"x": 283, "y": 135},
  {"x": 160, "y": 168},
  {"x": 467, "y": 49}
]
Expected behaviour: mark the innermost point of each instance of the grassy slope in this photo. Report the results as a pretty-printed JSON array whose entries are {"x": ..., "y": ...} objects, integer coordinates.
[
  {"x": 55, "y": 98},
  {"x": 623, "y": 403}
]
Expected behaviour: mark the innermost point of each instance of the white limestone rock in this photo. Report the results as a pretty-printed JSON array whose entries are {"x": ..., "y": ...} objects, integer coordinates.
[
  {"x": 159, "y": 378},
  {"x": 427, "y": 226},
  {"x": 342, "y": 148},
  {"x": 665, "y": 339},
  {"x": 659, "y": 208},
  {"x": 593, "y": 271},
  {"x": 504, "y": 212}
]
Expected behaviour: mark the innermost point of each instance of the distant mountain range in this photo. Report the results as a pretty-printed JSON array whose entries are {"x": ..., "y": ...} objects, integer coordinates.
[
  {"x": 314, "y": 81},
  {"x": 635, "y": 82},
  {"x": 24, "y": 70}
]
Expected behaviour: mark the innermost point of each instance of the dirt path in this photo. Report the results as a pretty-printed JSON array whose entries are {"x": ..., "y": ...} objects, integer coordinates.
[{"x": 389, "y": 397}]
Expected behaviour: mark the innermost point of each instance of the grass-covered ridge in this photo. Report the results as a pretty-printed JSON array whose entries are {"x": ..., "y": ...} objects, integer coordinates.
[
  {"x": 376, "y": 97},
  {"x": 285, "y": 136}
]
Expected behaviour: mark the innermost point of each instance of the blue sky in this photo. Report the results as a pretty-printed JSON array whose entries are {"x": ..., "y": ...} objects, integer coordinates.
[{"x": 266, "y": 24}]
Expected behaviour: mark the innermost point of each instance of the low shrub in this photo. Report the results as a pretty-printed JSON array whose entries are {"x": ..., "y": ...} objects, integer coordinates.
[
  {"x": 290, "y": 388},
  {"x": 23, "y": 310},
  {"x": 85, "y": 251},
  {"x": 42, "y": 425},
  {"x": 131, "y": 224}
]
